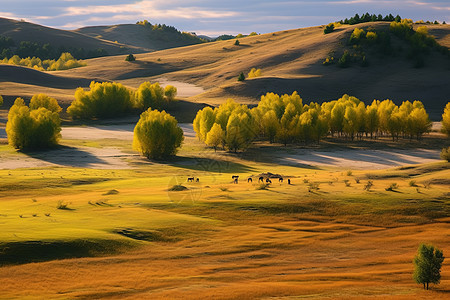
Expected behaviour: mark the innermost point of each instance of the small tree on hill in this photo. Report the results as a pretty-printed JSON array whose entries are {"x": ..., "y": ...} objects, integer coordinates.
[
  {"x": 157, "y": 135},
  {"x": 329, "y": 28},
  {"x": 446, "y": 120},
  {"x": 1, "y": 100},
  {"x": 241, "y": 77},
  {"x": 236, "y": 43},
  {"x": 130, "y": 57},
  {"x": 427, "y": 265}
]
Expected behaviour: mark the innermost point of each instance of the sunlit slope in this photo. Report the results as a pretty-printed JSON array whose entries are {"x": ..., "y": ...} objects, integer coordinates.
[
  {"x": 290, "y": 60},
  {"x": 24, "y": 31},
  {"x": 137, "y": 35}
]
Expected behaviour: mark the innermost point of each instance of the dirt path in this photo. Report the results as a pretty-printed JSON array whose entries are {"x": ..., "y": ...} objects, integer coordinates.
[{"x": 115, "y": 158}]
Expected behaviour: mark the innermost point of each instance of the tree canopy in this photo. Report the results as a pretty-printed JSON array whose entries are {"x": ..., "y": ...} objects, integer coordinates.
[
  {"x": 427, "y": 265},
  {"x": 31, "y": 128},
  {"x": 157, "y": 135}
]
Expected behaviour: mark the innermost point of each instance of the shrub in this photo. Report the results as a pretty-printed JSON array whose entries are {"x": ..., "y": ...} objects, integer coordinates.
[
  {"x": 445, "y": 154},
  {"x": 1, "y": 100},
  {"x": 254, "y": 73},
  {"x": 368, "y": 185},
  {"x": 344, "y": 61},
  {"x": 412, "y": 183},
  {"x": 236, "y": 43},
  {"x": 130, "y": 57},
  {"x": 170, "y": 92},
  {"x": 157, "y": 135},
  {"x": 347, "y": 183},
  {"x": 241, "y": 77},
  {"x": 62, "y": 205},
  {"x": 329, "y": 28},
  {"x": 392, "y": 187},
  {"x": 349, "y": 173},
  {"x": 30, "y": 129},
  {"x": 178, "y": 188},
  {"x": 103, "y": 100},
  {"x": 328, "y": 61}
]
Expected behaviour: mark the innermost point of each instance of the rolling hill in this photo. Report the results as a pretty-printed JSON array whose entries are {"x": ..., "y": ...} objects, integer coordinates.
[{"x": 290, "y": 60}]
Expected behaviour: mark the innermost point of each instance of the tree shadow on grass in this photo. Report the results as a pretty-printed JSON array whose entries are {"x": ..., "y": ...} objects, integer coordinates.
[
  {"x": 208, "y": 165},
  {"x": 66, "y": 156}
]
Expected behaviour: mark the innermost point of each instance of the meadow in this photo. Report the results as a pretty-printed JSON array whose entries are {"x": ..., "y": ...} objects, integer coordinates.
[{"x": 118, "y": 234}]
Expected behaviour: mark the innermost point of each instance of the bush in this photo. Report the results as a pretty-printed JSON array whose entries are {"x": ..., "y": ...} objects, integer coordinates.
[
  {"x": 254, "y": 73},
  {"x": 170, "y": 92},
  {"x": 368, "y": 186},
  {"x": 329, "y": 28},
  {"x": 30, "y": 129},
  {"x": 446, "y": 120},
  {"x": 445, "y": 154},
  {"x": 236, "y": 43},
  {"x": 130, "y": 57},
  {"x": 344, "y": 61},
  {"x": 241, "y": 77},
  {"x": 104, "y": 100},
  {"x": 149, "y": 95},
  {"x": 1, "y": 101},
  {"x": 157, "y": 135},
  {"x": 392, "y": 187},
  {"x": 42, "y": 100}
]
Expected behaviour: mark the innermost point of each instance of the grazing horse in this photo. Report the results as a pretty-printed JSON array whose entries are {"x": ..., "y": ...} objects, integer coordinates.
[
  {"x": 249, "y": 180},
  {"x": 197, "y": 180},
  {"x": 280, "y": 180},
  {"x": 235, "y": 178},
  {"x": 289, "y": 181},
  {"x": 190, "y": 179},
  {"x": 261, "y": 179},
  {"x": 268, "y": 180}
]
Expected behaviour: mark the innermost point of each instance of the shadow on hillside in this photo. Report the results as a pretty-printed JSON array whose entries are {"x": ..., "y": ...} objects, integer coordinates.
[{"x": 66, "y": 156}]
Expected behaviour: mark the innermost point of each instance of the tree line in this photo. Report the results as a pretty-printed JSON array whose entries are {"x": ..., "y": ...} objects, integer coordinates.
[
  {"x": 111, "y": 99},
  {"x": 9, "y": 48},
  {"x": 285, "y": 119},
  {"x": 65, "y": 61}
]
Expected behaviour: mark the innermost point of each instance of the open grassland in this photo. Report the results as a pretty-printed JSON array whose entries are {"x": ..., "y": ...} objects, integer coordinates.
[{"x": 122, "y": 234}]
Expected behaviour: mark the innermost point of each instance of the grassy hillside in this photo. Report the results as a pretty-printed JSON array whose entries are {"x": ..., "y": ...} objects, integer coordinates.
[
  {"x": 148, "y": 38},
  {"x": 290, "y": 60},
  {"x": 24, "y": 31}
]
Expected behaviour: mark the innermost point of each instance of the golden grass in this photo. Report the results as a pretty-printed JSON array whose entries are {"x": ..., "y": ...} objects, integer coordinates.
[{"x": 224, "y": 241}]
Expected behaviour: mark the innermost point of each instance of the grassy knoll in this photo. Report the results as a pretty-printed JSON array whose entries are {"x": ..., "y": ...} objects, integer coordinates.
[{"x": 129, "y": 235}]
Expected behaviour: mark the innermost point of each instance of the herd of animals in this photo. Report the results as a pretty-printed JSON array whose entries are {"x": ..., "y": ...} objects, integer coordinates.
[{"x": 235, "y": 179}]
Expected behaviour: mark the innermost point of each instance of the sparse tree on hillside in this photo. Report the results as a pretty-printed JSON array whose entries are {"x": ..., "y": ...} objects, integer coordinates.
[
  {"x": 157, "y": 135},
  {"x": 329, "y": 28},
  {"x": 427, "y": 265},
  {"x": 130, "y": 57},
  {"x": 446, "y": 119},
  {"x": 237, "y": 43},
  {"x": 241, "y": 77},
  {"x": 149, "y": 95}
]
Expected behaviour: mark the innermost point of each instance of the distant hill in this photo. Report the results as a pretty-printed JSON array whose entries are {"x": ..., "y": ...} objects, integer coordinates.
[
  {"x": 144, "y": 35},
  {"x": 20, "y": 31},
  {"x": 290, "y": 60}
]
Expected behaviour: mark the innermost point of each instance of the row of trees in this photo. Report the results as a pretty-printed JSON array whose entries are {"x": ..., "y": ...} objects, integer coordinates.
[
  {"x": 111, "y": 99},
  {"x": 9, "y": 48},
  {"x": 66, "y": 61},
  {"x": 446, "y": 120},
  {"x": 286, "y": 119},
  {"x": 370, "y": 18},
  {"x": 35, "y": 127}
]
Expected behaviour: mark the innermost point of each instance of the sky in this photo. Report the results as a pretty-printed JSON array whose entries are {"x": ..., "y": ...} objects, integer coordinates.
[{"x": 215, "y": 17}]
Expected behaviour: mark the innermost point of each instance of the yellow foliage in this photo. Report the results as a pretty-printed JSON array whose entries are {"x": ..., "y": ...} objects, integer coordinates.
[
  {"x": 65, "y": 62},
  {"x": 254, "y": 73}
]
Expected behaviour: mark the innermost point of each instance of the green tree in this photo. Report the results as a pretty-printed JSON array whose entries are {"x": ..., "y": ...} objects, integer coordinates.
[
  {"x": 30, "y": 129},
  {"x": 215, "y": 136},
  {"x": 419, "y": 122},
  {"x": 239, "y": 131},
  {"x": 157, "y": 135},
  {"x": 241, "y": 77},
  {"x": 130, "y": 57},
  {"x": 446, "y": 119},
  {"x": 103, "y": 100},
  {"x": 350, "y": 122},
  {"x": 42, "y": 100},
  {"x": 237, "y": 43},
  {"x": 170, "y": 92},
  {"x": 427, "y": 265},
  {"x": 329, "y": 28},
  {"x": 149, "y": 95}
]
